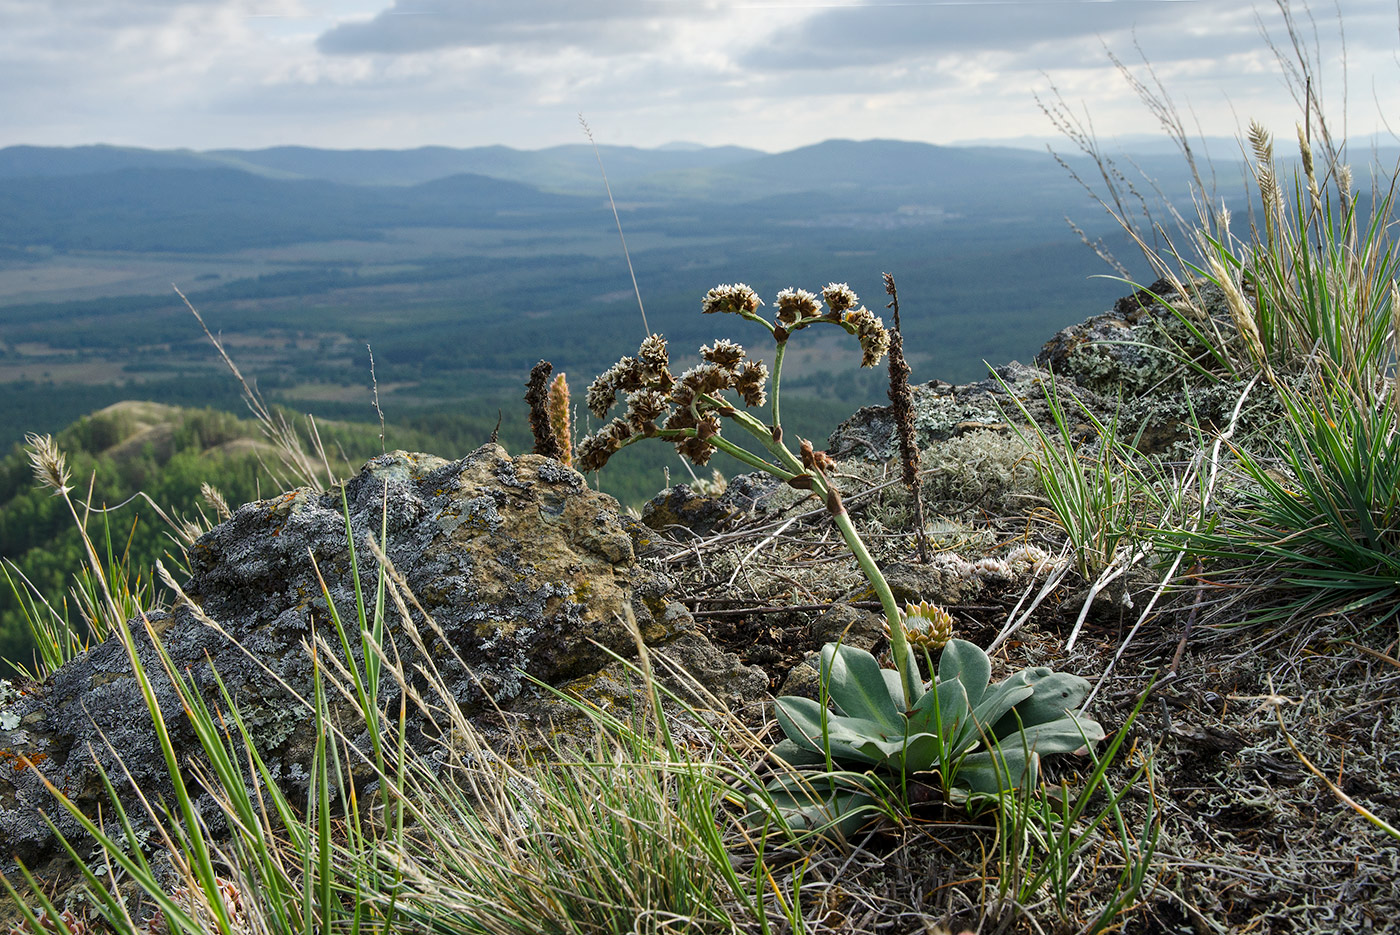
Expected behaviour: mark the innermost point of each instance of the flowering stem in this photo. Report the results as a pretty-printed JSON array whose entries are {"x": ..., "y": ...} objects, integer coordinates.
[
  {"x": 760, "y": 431},
  {"x": 746, "y": 456},
  {"x": 776, "y": 380},
  {"x": 899, "y": 645}
]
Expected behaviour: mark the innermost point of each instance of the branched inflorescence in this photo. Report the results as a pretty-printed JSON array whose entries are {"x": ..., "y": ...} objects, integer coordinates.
[{"x": 686, "y": 410}]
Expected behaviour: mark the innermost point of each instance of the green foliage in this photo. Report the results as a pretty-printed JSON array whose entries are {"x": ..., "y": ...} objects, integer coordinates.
[
  {"x": 1328, "y": 523},
  {"x": 981, "y": 739},
  {"x": 44, "y": 548},
  {"x": 628, "y": 835}
]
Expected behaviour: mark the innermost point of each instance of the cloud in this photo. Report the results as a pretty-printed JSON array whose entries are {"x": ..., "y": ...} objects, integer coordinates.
[
  {"x": 875, "y": 32},
  {"x": 421, "y": 25}
]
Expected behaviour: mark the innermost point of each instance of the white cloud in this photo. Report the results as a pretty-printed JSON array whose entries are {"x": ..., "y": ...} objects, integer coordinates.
[{"x": 767, "y": 73}]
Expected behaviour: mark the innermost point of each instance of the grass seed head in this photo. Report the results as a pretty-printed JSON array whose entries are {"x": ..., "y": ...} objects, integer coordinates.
[{"x": 50, "y": 465}]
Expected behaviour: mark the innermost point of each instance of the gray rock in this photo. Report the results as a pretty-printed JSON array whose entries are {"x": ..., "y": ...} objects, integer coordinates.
[{"x": 522, "y": 568}]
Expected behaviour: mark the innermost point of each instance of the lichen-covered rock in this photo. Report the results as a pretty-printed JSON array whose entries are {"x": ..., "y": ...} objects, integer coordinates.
[
  {"x": 524, "y": 571},
  {"x": 1140, "y": 345},
  {"x": 943, "y": 411},
  {"x": 744, "y": 496}
]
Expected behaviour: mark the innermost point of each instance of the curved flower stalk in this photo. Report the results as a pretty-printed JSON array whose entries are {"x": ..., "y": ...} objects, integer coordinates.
[{"x": 688, "y": 411}]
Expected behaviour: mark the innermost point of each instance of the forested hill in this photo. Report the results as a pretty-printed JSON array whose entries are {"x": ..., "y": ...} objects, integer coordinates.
[{"x": 169, "y": 453}]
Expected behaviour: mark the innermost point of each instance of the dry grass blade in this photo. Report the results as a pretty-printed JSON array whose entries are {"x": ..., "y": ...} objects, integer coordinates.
[{"x": 301, "y": 467}]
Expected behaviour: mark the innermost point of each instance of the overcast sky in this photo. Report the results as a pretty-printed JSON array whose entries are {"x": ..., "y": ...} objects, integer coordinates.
[{"x": 772, "y": 74}]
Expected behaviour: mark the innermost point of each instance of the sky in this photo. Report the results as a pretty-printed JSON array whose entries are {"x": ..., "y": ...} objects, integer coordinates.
[{"x": 768, "y": 74}]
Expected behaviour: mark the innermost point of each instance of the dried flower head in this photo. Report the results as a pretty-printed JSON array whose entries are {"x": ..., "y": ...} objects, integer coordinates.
[
  {"x": 654, "y": 364},
  {"x": 870, "y": 330},
  {"x": 927, "y": 626},
  {"x": 652, "y": 352},
  {"x": 593, "y": 452},
  {"x": 794, "y": 305},
  {"x": 1029, "y": 559},
  {"x": 738, "y": 299},
  {"x": 707, "y": 378},
  {"x": 752, "y": 381},
  {"x": 50, "y": 466},
  {"x": 697, "y": 448},
  {"x": 645, "y": 407},
  {"x": 602, "y": 393},
  {"x": 839, "y": 297},
  {"x": 725, "y": 353}
]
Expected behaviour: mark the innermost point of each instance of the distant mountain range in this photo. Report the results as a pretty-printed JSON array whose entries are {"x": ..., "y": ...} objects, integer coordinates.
[
  {"x": 728, "y": 171},
  {"x": 114, "y": 198}
]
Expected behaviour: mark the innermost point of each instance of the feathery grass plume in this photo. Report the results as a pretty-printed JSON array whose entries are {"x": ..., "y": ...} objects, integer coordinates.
[
  {"x": 49, "y": 464},
  {"x": 211, "y": 495},
  {"x": 541, "y": 425},
  {"x": 1241, "y": 313},
  {"x": 1309, "y": 170},
  {"x": 902, "y": 408},
  {"x": 301, "y": 465},
  {"x": 560, "y": 419}
]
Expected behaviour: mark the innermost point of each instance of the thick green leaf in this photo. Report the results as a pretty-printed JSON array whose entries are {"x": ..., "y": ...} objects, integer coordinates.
[
  {"x": 1055, "y": 694},
  {"x": 952, "y": 710},
  {"x": 895, "y": 688},
  {"x": 1066, "y": 735},
  {"x": 813, "y": 805},
  {"x": 990, "y": 772},
  {"x": 1005, "y": 694},
  {"x": 856, "y": 685},
  {"x": 967, "y": 663},
  {"x": 797, "y": 755},
  {"x": 923, "y": 752},
  {"x": 801, "y": 722}
]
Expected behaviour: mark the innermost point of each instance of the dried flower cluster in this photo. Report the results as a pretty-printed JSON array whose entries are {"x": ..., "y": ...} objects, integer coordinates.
[{"x": 685, "y": 410}]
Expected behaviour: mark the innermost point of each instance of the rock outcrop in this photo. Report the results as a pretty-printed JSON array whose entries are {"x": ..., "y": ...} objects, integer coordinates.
[{"x": 525, "y": 572}]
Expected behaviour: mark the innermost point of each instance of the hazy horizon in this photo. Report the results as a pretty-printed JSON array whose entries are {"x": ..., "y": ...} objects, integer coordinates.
[{"x": 771, "y": 75}]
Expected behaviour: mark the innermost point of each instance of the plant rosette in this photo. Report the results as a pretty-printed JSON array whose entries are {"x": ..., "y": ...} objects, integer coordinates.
[{"x": 975, "y": 738}]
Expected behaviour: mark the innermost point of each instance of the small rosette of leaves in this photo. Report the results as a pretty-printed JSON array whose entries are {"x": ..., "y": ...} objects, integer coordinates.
[
  {"x": 977, "y": 738},
  {"x": 926, "y": 626}
]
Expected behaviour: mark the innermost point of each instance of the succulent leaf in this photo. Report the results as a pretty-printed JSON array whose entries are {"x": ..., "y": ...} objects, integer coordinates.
[
  {"x": 1055, "y": 694},
  {"x": 1068, "y": 734},
  {"x": 992, "y": 771},
  {"x": 857, "y": 686},
  {"x": 967, "y": 663}
]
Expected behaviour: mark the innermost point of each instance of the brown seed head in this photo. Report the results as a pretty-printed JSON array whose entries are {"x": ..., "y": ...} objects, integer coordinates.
[
  {"x": 839, "y": 297},
  {"x": 737, "y": 299},
  {"x": 794, "y": 305}
]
